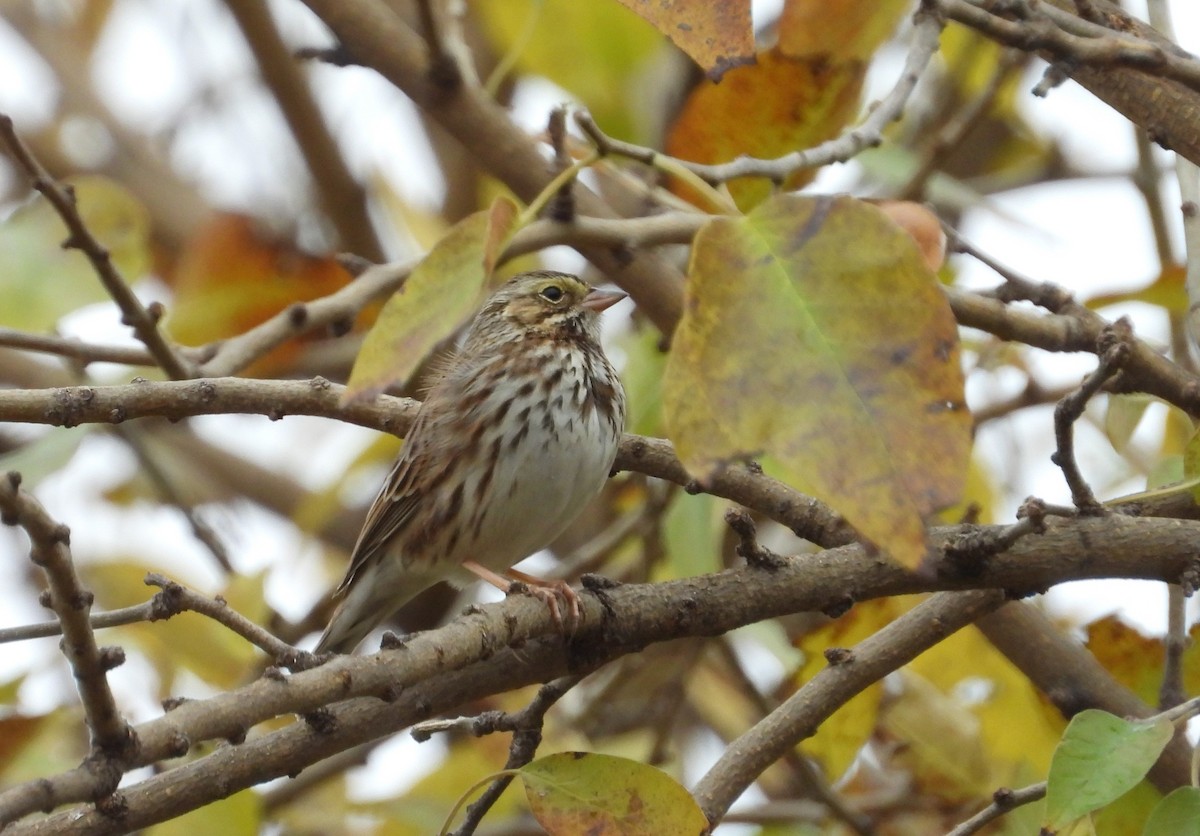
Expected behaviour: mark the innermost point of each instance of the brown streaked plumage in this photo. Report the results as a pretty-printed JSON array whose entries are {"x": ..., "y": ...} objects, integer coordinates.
[{"x": 516, "y": 436}]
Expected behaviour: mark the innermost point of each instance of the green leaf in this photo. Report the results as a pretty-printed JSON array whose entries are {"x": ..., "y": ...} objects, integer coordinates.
[
  {"x": 440, "y": 294},
  {"x": 1177, "y": 813},
  {"x": 1101, "y": 757},
  {"x": 40, "y": 281},
  {"x": 1122, "y": 417},
  {"x": 814, "y": 332},
  {"x": 600, "y": 52},
  {"x": 578, "y": 792},
  {"x": 39, "y": 458}
]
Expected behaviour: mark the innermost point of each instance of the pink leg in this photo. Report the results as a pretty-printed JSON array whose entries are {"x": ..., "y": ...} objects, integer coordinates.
[{"x": 547, "y": 591}]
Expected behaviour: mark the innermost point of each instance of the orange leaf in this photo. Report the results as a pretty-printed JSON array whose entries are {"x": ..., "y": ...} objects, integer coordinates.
[
  {"x": 231, "y": 277},
  {"x": 779, "y": 105},
  {"x": 839, "y": 29}
]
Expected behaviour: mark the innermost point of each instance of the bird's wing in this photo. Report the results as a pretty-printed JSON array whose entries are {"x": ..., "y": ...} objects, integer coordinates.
[
  {"x": 419, "y": 470},
  {"x": 392, "y": 508}
]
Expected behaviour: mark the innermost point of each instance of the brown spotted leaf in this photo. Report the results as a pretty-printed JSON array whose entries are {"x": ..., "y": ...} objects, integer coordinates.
[
  {"x": 578, "y": 792},
  {"x": 716, "y": 34},
  {"x": 440, "y": 294},
  {"x": 814, "y": 332},
  {"x": 838, "y": 29}
]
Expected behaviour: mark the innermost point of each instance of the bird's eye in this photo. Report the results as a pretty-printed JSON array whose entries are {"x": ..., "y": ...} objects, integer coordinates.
[{"x": 552, "y": 293}]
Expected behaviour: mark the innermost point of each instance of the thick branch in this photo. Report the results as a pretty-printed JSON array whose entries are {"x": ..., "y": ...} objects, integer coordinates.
[
  {"x": 1072, "y": 679},
  {"x": 799, "y": 716},
  {"x": 1169, "y": 110}
]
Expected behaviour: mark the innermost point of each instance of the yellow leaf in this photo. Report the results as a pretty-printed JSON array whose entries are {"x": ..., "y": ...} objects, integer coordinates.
[
  {"x": 40, "y": 281},
  {"x": 814, "y": 332},
  {"x": 717, "y": 36},
  {"x": 1166, "y": 291},
  {"x": 238, "y": 815},
  {"x": 1122, "y": 417},
  {"x": 839, "y": 739},
  {"x": 439, "y": 296},
  {"x": 579, "y": 792},
  {"x": 1135, "y": 660},
  {"x": 965, "y": 662},
  {"x": 942, "y": 740},
  {"x": 47, "y": 744}
]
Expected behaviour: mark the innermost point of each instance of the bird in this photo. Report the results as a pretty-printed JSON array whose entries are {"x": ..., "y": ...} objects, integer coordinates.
[{"x": 515, "y": 437}]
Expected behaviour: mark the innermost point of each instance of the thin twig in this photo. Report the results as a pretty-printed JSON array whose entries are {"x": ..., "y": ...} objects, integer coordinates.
[
  {"x": 76, "y": 349},
  {"x": 340, "y": 307},
  {"x": 1147, "y": 179},
  {"x": 1069, "y": 409},
  {"x": 1034, "y": 394},
  {"x": 173, "y": 599},
  {"x": 1172, "y": 691},
  {"x": 201, "y": 530},
  {"x": 561, "y": 206},
  {"x": 143, "y": 320},
  {"x": 176, "y": 598},
  {"x": 927, "y": 27},
  {"x": 71, "y": 602},
  {"x": 98, "y": 621},
  {"x": 956, "y": 130},
  {"x": 526, "y": 726},
  {"x": 1003, "y": 800}
]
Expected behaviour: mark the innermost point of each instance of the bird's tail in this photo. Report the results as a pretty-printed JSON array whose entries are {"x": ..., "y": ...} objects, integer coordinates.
[
  {"x": 347, "y": 629},
  {"x": 371, "y": 600}
]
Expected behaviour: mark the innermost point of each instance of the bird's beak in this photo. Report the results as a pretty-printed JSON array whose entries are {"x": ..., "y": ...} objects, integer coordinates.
[{"x": 602, "y": 300}]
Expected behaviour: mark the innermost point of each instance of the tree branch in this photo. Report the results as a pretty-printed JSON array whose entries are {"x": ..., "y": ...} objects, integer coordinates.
[
  {"x": 848, "y": 673},
  {"x": 76, "y": 349},
  {"x": 1168, "y": 110},
  {"x": 111, "y": 735}
]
